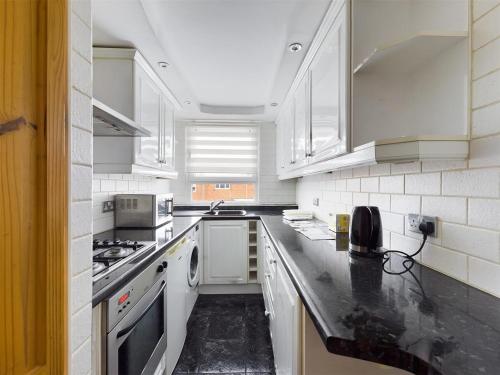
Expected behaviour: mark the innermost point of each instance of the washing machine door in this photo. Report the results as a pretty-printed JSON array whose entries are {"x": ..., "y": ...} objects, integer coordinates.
[{"x": 193, "y": 275}]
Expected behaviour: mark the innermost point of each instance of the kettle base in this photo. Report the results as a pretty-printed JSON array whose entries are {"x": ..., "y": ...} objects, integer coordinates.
[{"x": 366, "y": 252}]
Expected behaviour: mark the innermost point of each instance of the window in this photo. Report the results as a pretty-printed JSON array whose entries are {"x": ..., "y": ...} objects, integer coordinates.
[{"x": 222, "y": 162}]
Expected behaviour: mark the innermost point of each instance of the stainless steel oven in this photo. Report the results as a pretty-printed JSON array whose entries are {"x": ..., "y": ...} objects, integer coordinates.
[
  {"x": 137, "y": 323},
  {"x": 143, "y": 210}
]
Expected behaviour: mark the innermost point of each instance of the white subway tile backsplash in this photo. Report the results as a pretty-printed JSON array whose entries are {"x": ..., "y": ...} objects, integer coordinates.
[
  {"x": 473, "y": 241},
  {"x": 81, "y": 146},
  {"x": 353, "y": 184},
  {"x": 484, "y": 213},
  {"x": 346, "y": 173},
  {"x": 80, "y": 177},
  {"x": 480, "y": 7},
  {"x": 81, "y": 254},
  {"x": 405, "y": 244},
  {"x": 83, "y": 10},
  {"x": 486, "y": 59},
  {"x": 122, "y": 186},
  {"x": 369, "y": 184},
  {"x": 360, "y": 199},
  {"x": 81, "y": 110},
  {"x": 382, "y": 169},
  {"x": 425, "y": 184},
  {"x": 446, "y": 261},
  {"x": 486, "y": 120},
  {"x": 346, "y": 198},
  {"x": 81, "y": 74},
  {"x": 108, "y": 185},
  {"x": 484, "y": 152},
  {"x": 81, "y": 218},
  {"x": 485, "y": 275},
  {"x": 393, "y": 222},
  {"x": 486, "y": 29},
  {"x": 486, "y": 89},
  {"x": 361, "y": 171},
  {"x": 443, "y": 165},
  {"x": 382, "y": 201},
  {"x": 452, "y": 209},
  {"x": 81, "y": 37},
  {"x": 405, "y": 204},
  {"x": 392, "y": 184},
  {"x": 81, "y": 359},
  {"x": 340, "y": 185},
  {"x": 472, "y": 183},
  {"x": 81, "y": 291},
  {"x": 402, "y": 168},
  {"x": 82, "y": 326}
]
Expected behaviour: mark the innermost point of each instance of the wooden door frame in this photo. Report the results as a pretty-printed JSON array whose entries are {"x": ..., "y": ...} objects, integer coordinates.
[{"x": 34, "y": 186}]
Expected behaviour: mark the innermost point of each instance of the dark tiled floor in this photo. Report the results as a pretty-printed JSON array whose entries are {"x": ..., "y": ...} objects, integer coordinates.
[{"x": 227, "y": 334}]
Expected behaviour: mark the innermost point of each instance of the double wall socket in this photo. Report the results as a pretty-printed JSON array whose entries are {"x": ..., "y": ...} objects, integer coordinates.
[
  {"x": 108, "y": 206},
  {"x": 414, "y": 220}
]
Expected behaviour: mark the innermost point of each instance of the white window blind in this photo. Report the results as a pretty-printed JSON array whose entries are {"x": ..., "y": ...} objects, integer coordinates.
[{"x": 218, "y": 153}]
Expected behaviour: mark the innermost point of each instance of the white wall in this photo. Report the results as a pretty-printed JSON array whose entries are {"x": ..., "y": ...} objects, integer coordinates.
[
  {"x": 106, "y": 186},
  {"x": 271, "y": 190},
  {"x": 80, "y": 256},
  {"x": 464, "y": 195}
]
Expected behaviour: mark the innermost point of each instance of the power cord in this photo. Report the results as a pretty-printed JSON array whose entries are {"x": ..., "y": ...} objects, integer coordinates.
[{"x": 427, "y": 229}]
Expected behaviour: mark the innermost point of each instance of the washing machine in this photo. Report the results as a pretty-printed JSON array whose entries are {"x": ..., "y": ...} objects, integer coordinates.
[{"x": 194, "y": 267}]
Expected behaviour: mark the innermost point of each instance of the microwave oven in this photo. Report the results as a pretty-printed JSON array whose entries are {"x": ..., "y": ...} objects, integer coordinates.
[{"x": 143, "y": 210}]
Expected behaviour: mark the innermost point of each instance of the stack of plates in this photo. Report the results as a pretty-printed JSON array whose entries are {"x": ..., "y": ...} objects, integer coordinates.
[{"x": 293, "y": 215}]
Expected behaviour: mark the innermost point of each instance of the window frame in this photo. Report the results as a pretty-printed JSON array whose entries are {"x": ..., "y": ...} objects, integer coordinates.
[{"x": 190, "y": 182}]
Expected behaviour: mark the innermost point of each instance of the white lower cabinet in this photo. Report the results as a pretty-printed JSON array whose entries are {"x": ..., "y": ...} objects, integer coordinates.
[
  {"x": 283, "y": 308},
  {"x": 176, "y": 303},
  {"x": 225, "y": 252}
]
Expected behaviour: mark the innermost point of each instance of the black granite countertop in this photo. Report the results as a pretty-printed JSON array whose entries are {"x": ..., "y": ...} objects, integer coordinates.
[
  {"x": 423, "y": 321},
  {"x": 164, "y": 236}
]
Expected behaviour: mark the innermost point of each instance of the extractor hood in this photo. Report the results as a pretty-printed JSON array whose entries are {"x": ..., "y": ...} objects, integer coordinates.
[{"x": 108, "y": 122}]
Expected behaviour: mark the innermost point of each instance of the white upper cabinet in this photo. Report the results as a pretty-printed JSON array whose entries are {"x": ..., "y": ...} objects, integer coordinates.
[
  {"x": 301, "y": 124},
  {"x": 329, "y": 92},
  {"x": 124, "y": 81},
  {"x": 148, "y": 102},
  {"x": 385, "y": 81}
]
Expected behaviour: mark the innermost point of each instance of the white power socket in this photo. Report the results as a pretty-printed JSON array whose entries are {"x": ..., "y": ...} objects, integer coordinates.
[{"x": 414, "y": 221}]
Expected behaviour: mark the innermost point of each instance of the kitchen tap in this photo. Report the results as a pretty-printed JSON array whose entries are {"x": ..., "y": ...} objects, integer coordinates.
[{"x": 214, "y": 205}]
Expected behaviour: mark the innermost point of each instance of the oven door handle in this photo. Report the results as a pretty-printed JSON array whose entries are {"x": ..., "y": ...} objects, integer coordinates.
[{"x": 124, "y": 331}]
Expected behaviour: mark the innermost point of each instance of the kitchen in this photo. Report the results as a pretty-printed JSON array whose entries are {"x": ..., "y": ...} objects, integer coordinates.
[{"x": 250, "y": 187}]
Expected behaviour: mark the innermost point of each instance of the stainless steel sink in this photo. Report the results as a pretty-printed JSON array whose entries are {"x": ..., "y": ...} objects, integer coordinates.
[{"x": 227, "y": 213}]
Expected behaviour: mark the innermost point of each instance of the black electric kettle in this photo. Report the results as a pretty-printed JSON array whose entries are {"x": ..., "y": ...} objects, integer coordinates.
[{"x": 366, "y": 231}]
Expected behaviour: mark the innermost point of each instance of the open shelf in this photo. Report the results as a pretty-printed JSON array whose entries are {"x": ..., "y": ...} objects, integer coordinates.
[
  {"x": 408, "y": 54},
  {"x": 252, "y": 276}
]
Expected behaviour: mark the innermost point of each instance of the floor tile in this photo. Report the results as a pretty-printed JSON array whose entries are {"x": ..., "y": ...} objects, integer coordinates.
[{"x": 227, "y": 334}]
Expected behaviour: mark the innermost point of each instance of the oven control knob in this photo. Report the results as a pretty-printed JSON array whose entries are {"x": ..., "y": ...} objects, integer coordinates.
[
  {"x": 164, "y": 264},
  {"x": 160, "y": 268}
]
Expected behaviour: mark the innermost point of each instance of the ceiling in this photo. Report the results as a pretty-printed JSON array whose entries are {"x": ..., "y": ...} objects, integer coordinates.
[{"x": 228, "y": 58}]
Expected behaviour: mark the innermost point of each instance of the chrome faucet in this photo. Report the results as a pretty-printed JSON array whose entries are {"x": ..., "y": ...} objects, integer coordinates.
[{"x": 214, "y": 205}]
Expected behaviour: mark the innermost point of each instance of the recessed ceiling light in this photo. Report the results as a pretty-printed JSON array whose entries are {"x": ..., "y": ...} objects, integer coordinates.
[
  {"x": 295, "y": 47},
  {"x": 187, "y": 102},
  {"x": 163, "y": 64},
  {"x": 274, "y": 104}
]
